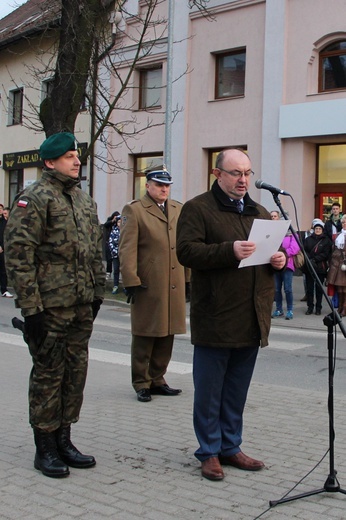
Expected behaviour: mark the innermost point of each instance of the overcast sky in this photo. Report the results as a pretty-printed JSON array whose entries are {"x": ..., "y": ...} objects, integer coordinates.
[{"x": 7, "y": 6}]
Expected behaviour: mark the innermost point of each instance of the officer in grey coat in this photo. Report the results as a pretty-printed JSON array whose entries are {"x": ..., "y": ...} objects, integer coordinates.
[{"x": 54, "y": 259}]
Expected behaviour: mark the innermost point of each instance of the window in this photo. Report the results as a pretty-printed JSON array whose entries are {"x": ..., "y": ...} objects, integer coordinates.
[
  {"x": 15, "y": 184},
  {"x": 331, "y": 164},
  {"x": 83, "y": 176},
  {"x": 47, "y": 87},
  {"x": 230, "y": 74},
  {"x": 150, "y": 83},
  {"x": 142, "y": 163},
  {"x": 332, "y": 68},
  {"x": 326, "y": 202},
  {"x": 16, "y": 107},
  {"x": 84, "y": 103},
  {"x": 331, "y": 181}
]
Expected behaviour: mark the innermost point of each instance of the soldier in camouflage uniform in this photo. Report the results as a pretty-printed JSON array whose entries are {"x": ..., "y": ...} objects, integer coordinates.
[{"x": 54, "y": 259}]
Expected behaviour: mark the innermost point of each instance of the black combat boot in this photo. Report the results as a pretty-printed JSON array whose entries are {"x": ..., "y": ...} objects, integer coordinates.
[
  {"x": 47, "y": 458},
  {"x": 69, "y": 453}
]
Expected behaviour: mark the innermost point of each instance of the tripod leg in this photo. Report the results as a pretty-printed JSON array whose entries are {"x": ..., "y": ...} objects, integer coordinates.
[{"x": 274, "y": 503}]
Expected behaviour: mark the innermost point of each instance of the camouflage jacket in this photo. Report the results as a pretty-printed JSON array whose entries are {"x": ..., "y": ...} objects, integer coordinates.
[{"x": 54, "y": 245}]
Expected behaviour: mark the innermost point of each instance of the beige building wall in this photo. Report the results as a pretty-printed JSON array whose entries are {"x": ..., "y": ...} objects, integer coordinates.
[
  {"x": 220, "y": 123},
  {"x": 310, "y": 25},
  {"x": 282, "y": 118},
  {"x": 19, "y": 66}
]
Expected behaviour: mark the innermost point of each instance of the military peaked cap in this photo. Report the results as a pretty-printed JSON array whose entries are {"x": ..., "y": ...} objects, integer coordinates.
[{"x": 159, "y": 176}]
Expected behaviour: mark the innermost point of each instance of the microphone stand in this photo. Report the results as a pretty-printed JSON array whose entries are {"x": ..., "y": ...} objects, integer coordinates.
[{"x": 331, "y": 485}]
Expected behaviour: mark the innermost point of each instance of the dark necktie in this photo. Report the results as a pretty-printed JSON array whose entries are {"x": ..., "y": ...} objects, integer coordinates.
[
  {"x": 162, "y": 208},
  {"x": 239, "y": 206}
]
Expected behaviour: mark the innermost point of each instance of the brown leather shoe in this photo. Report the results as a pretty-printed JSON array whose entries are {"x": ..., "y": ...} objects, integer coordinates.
[
  {"x": 211, "y": 469},
  {"x": 241, "y": 461}
]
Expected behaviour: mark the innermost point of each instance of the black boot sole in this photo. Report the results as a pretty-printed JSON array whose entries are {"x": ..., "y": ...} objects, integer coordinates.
[
  {"x": 51, "y": 474},
  {"x": 78, "y": 465}
]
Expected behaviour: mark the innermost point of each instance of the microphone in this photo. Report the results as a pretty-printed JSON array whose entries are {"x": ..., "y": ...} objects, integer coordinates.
[{"x": 264, "y": 186}]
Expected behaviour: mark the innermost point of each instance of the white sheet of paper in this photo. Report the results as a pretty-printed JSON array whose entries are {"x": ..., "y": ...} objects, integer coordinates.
[{"x": 268, "y": 236}]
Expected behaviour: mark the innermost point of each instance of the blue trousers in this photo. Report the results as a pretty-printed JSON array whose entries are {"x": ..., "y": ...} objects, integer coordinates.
[
  {"x": 221, "y": 378},
  {"x": 284, "y": 278}
]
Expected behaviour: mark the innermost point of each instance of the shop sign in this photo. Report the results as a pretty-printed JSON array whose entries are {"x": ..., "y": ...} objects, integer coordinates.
[{"x": 28, "y": 159}]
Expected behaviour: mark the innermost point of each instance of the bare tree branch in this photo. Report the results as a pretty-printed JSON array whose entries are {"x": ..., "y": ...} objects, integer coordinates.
[{"x": 89, "y": 50}]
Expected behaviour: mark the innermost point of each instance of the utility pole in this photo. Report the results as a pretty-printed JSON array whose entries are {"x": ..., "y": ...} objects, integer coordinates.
[{"x": 168, "y": 114}]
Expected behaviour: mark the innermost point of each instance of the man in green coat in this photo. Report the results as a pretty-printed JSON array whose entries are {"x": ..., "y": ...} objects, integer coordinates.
[
  {"x": 230, "y": 311},
  {"x": 54, "y": 259}
]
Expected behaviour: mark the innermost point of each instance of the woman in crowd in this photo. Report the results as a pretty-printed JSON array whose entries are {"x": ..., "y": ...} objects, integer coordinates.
[
  {"x": 284, "y": 278},
  {"x": 337, "y": 270},
  {"x": 318, "y": 248}
]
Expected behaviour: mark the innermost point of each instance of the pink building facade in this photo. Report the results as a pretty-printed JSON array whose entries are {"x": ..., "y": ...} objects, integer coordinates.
[{"x": 269, "y": 76}]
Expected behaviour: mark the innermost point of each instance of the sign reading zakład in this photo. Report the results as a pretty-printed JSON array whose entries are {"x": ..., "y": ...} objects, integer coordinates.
[
  {"x": 21, "y": 160},
  {"x": 29, "y": 158}
]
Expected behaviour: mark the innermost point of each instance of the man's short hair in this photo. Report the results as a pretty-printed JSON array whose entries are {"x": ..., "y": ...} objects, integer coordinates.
[{"x": 220, "y": 156}]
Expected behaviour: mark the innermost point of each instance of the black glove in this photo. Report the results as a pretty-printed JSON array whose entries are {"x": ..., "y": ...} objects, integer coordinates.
[
  {"x": 130, "y": 293},
  {"x": 34, "y": 327},
  {"x": 96, "y": 304}
]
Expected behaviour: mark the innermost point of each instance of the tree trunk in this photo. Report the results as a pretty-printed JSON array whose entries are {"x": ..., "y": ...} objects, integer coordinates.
[{"x": 79, "y": 20}]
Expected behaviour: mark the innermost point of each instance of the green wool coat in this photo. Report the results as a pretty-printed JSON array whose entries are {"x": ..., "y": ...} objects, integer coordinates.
[{"x": 230, "y": 307}]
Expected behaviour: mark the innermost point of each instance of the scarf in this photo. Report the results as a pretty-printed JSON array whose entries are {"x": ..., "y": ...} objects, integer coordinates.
[{"x": 340, "y": 239}]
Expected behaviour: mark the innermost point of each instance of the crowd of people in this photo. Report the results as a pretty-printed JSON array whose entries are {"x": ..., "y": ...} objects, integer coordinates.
[
  {"x": 54, "y": 246},
  {"x": 325, "y": 249}
]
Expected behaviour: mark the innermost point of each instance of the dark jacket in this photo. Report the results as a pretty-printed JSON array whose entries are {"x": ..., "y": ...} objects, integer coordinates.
[
  {"x": 3, "y": 223},
  {"x": 230, "y": 307},
  {"x": 330, "y": 224},
  {"x": 107, "y": 228},
  {"x": 54, "y": 246},
  {"x": 113, "y": 241},
  {"x": 318, "y": 248}
]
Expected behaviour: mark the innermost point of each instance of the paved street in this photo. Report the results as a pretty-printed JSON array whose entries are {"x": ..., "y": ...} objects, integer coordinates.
[{"x": 145, "y": 463}]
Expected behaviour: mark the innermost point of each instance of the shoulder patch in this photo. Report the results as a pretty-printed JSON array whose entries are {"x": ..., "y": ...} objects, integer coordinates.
[{"x": 22, "y": 203}]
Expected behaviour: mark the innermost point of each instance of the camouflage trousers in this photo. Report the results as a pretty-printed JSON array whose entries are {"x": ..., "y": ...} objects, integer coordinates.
[{"x": 60, "y": 364}]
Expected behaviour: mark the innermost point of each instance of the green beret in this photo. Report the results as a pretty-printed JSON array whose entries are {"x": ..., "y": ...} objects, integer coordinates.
[{"x": 58, "y": 144}]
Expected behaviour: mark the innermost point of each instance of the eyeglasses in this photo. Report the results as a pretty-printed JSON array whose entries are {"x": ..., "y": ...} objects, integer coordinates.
[{"x": 237, "y": 173}]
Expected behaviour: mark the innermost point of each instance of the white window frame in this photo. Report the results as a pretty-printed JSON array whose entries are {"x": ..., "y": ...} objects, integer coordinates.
[{"x": 12, "y": 106}]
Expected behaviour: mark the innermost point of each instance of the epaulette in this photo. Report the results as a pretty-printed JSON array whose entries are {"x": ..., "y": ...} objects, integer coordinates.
[{"x": 133, "y": 201}]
